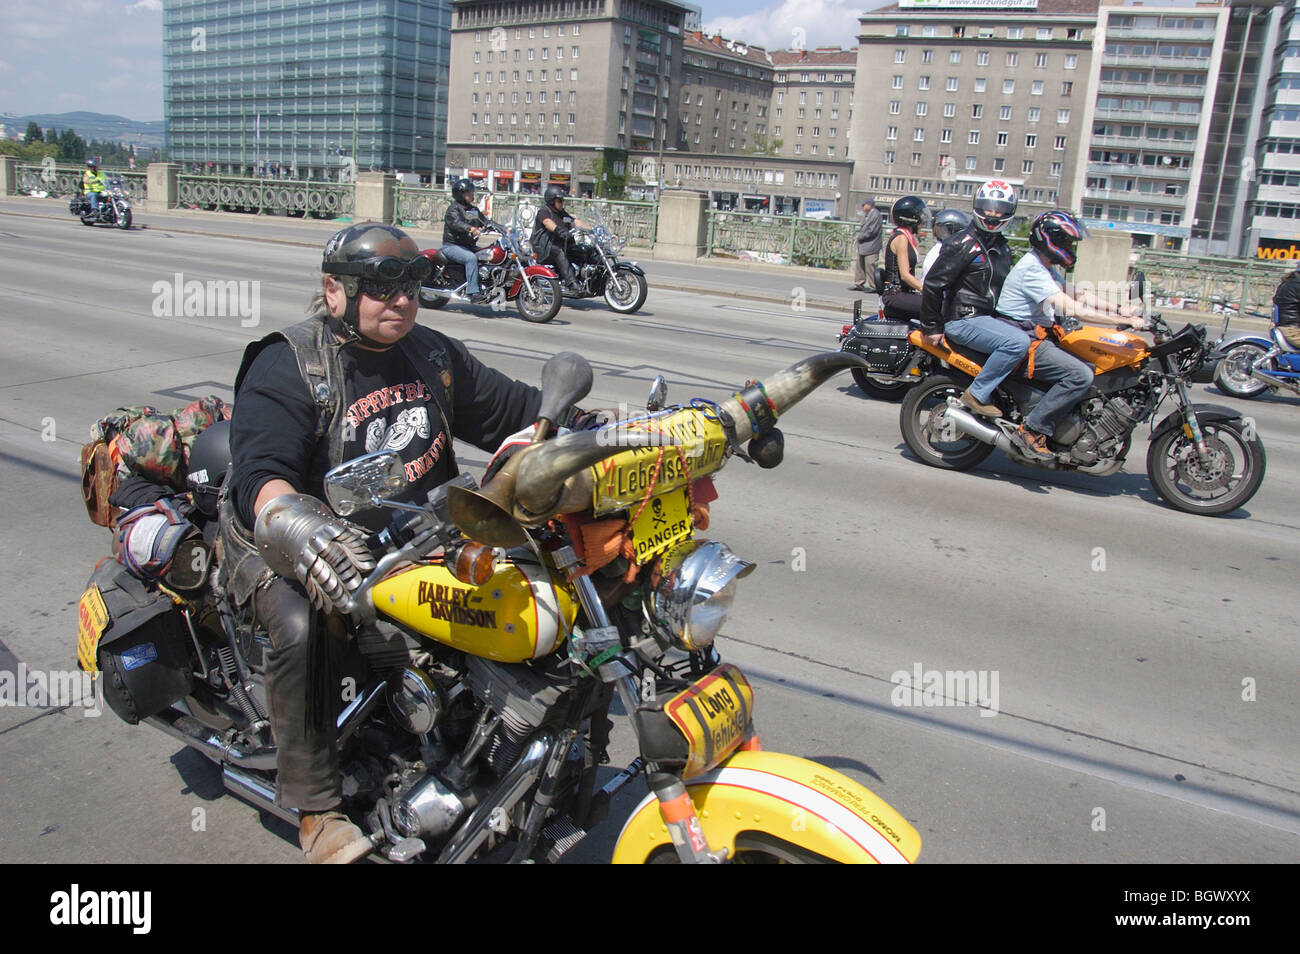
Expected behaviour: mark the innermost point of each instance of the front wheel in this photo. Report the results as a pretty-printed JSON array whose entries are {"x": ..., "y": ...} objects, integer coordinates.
[
  {"x": 626, "y": 291},
  {"x": 1229, "y": 475},
  {"x": 752, "y": 848},
  {"x": 931, "y": 434},
  {"x": 431, "y": 299},
  {"x": 543, "y": 303},
  {"x": 88, "y": 218},
  {"x": 1232, "y": 373},
  {"x": 880, "y": 390},
  {"x": 124, "y": 219}
]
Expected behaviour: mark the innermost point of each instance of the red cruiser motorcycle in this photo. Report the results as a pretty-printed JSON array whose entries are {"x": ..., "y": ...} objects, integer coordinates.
[{"x": 505, "y": 274}]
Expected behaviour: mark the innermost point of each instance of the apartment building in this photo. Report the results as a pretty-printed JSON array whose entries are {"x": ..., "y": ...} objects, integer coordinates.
[
  {"x": 812, "y": 102},
  {"x": 962, "y": 91},
  {"x": 559, "y": 91},
  {"x": 1155, "y": 76},
  {"x": 306, "y": 88},
  {"x": 1272, "y": 215}
]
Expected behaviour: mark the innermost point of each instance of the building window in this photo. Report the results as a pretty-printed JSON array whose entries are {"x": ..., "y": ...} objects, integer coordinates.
[
  {"x": 1002, "y": 138},
  {"x": 891, "y": 132},
  {"x": 900, "y": 56},
  {"x": 1004, "y": 112},
  {"x": 982, "y": 58},
  {"x": 976, "y": 111},
  {"x": 974, "y": 138},
  {"x": 1040, "y": 60},
  {"x": 1071, "y": 61},
  {"x": 1027, "y": 166},
  {"x": 922, "y": 108},
  {"x": 954, "y": 56},
  {"x": 1044, "y": 33},
  {"x": 952, "y": 84},
  {"x": 1037, "y": 88},
  {"x": 980, "y": 85},
  {"x": 923, "y": 82},
  {"x": 918, "y": 134},
  {"x": 970, "y": 164},
  {"x": 945, "y": 135},
  {"x": 999, "y": 164},
  {"x": 1034, "y": 113},
  {"x": 1013, "y": 59},
  {"x": 1059, "y": 143},
  {"x": 1015, "y": 33},
  {"x": 1008, "y": 86},
  {"x": 1031, "y": 140},
  {"x": 1067, "y": 88},
  {"x": 916, "y": 158},
  {"x": 1056, "y": 170},
  {"x": 927, "y": 56},
  {"x": 476, "y": 77},
  {"x": 1063, "y": 115},
  {"x": 898, "y": 82},
  {"x": 949, "y": 110},
  {"x": 889, "y": 160}
]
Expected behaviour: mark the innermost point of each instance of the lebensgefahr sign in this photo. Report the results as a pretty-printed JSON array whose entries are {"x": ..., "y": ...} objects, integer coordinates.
[{"x": 1278, "y": 250}]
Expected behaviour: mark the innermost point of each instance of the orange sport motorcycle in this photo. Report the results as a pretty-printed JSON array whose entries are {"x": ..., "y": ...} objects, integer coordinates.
[
  {"x": 1202, "y": 458},
  {"x": 498, "y": 628}
]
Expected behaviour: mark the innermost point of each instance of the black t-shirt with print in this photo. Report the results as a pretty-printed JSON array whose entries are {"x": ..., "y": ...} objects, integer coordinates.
[{"x": 273, "y": 431}]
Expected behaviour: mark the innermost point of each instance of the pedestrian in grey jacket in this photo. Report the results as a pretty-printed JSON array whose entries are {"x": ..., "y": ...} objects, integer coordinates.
[{"x": 869, "y": 243}]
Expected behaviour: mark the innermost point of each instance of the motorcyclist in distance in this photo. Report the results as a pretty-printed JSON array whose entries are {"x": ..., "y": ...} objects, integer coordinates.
[
  {"x": 92, "y": 183},
  {"x": 552, "y": 226},
  {"x": 461, "y": 227}
]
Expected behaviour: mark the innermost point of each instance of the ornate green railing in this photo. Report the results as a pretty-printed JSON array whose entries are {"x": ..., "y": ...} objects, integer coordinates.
[
  {"x": 782, "y": 240},
  {"x": 66, "y": 180},
  {"x": 324, "y": 200},
  {"x": 1201, "y": 283},
  {"x": 634, "y": 221}
]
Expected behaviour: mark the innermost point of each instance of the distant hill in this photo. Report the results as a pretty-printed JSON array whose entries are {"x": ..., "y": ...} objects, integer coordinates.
[{"x": 96, "y": 126}]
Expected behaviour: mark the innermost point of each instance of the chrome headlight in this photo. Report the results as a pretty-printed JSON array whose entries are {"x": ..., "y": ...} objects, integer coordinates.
[
  {"x": 527, "y": 248},
  {"x": 696, "y": 588}
]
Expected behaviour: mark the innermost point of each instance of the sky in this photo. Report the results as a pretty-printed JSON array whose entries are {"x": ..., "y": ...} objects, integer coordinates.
[{"x": 105, "y": 56}]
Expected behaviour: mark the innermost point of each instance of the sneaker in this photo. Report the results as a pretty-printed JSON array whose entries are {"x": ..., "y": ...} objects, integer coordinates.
[
  {"x": 1031, "y": 444},
  {"x": 979, "y": 407}
]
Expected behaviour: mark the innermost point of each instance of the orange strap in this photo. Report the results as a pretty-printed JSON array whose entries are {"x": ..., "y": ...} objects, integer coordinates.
[{"x": 1040, "y": 335}]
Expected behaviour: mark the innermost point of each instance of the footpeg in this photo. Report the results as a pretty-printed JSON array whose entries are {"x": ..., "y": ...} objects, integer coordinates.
[
  {"x": 564, "y": 835},
  {"x": 405, "y": 850}
]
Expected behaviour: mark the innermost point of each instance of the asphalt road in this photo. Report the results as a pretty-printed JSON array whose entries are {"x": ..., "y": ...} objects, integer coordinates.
[{"x": 1145, "y": 711}]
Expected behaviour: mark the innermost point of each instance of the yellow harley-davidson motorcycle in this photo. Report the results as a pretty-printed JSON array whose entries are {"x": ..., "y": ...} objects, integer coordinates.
[{"x": 487, "y": 646}]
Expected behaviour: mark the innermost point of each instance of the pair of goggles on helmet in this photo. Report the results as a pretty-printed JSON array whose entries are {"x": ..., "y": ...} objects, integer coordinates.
[
  {"x": 383, "y": 290},
  {"x": 389, "y": 268}
]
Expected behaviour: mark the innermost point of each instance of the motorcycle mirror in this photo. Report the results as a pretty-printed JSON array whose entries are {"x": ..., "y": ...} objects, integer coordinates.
[
  {"x": 364, "y": 482},
  {"x": 566, "y": 379},
  {"x": 658, "y": 394}
]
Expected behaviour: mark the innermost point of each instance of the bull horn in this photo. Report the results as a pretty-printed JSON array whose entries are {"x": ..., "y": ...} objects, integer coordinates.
[
  {"x": 546, "y": 467},
  {"x": 485, "y": 515},
  {"x": 787, "y": 388}
]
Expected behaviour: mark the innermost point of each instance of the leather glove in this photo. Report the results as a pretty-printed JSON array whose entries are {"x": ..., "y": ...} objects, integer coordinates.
[{"x": 298, "y": 536}]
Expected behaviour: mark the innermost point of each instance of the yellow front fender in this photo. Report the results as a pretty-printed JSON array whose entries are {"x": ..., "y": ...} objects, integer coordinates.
[{"x": 770, "y": 798}]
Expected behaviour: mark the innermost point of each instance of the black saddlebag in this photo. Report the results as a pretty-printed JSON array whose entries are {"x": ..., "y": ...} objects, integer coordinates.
[
  {"x": 144, "y": 652},
  {"x": 883, "y": 344}
]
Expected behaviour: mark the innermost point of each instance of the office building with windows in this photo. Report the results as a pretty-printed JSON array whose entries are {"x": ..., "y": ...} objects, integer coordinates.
[
  {"x": 1272, "y": 216},
  {"x": 964, "y": 91}
]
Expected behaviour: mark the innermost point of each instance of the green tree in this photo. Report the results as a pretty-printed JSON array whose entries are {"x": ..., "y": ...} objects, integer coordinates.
[{"x": 34, "y": 133}]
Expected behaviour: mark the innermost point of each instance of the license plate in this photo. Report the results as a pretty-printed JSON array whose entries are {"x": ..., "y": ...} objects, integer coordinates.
[
  {"x": 665, "y": 520},
  {"x": 92, "y": 620},
  {"x": 713, "y": 713}
]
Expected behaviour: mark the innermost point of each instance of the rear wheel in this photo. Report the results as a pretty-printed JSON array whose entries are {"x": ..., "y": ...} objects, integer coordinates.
[
  {"x": 626, "y": 291},
  {"x": 1225, "y": 480},
  {"x": 1232, "y": 374},
  {"x": 543, "y": 303},
  {"x": 931, "y": 434},
  {"x": 880, "y": 390},
  {"x": 88, "y": 218}
]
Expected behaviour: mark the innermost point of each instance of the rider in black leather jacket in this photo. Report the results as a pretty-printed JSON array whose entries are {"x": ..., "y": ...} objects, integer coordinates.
[
  {"x": 1286, "y": 308},
  {"x": 966, "y": 279},
  {"x": 458, "y": 221}
]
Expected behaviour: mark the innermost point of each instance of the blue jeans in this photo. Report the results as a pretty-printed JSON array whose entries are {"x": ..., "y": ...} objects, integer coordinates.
[
  {"x": 1005, "y": 345},
  {"x": 93, "y": 198},
  {"x": 464, "y": 256},
  {"x": 1070, "y": 379}
]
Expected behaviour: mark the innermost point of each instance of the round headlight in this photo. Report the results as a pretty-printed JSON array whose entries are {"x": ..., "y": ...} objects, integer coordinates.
[
  {"x": 696, "y": 588},
  {"x": 527, "y": 247}
]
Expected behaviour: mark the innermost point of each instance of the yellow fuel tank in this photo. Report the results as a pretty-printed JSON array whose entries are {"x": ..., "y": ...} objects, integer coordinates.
[
  {"x": 1107, "y": 348},
  {"x": 519, "y": 614}
]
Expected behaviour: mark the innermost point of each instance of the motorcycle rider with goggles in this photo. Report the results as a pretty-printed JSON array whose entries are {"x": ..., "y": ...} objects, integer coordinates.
[{"x": 386, "y": 277}]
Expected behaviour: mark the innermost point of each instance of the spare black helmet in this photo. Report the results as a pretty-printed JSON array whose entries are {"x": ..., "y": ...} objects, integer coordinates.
[
  {"x": 209, "y": 460},
  {"x": 948, "y": 222}
]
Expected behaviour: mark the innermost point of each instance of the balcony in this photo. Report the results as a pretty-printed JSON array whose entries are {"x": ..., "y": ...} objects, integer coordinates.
[
  {"x": 1134, "y": 197},
  {"x": 1149, "y": 89},
  {"x": 1145, "y": 115},
  {"x": 1173, "y": 62},
  {"x": 1129, "y": 169},
  {"x": 1160, "y": 33}
]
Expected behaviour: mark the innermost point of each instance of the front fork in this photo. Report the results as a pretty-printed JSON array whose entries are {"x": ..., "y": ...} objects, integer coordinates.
[
  {"x": 675, "y": 803},
  {"x": 1191, "y": 426}
]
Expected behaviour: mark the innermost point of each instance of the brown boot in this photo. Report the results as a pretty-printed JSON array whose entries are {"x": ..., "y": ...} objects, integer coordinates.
[
  {"x": 328, "y": 838},
  {"x": 1032, "y": 444},
  {"x": 979, "y": 407}
]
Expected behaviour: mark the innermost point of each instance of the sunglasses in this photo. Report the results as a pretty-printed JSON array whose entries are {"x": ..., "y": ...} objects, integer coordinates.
[
  {"x": 389, "y": 268},
  {"x": 381, "y": 290}
]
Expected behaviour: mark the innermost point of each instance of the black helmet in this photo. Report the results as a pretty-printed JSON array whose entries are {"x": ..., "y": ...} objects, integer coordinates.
[
  {"x": 1056, "y": 235},
  {"x": 554, "y": 192},
  {"x": 948, "y": 222},
  {"x": 209, "y": 461},
  {"x": 994, "y": 205},
  {"x": 92, "y": 162},
  {"x": 908, "y": 211},
  {"x": 365, "y": 242},
  {"x": 460, "y": 188}
]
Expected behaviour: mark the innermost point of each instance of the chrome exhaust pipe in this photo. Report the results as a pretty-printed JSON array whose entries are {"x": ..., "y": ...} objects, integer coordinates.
[
  {"x": 509, "y": 790},
  {"x": 257, "y": 792},
  {"x": 971, "y": 426},
  {"x": 196, "y": 735},
  {"x": 1260, "y": 375}
]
